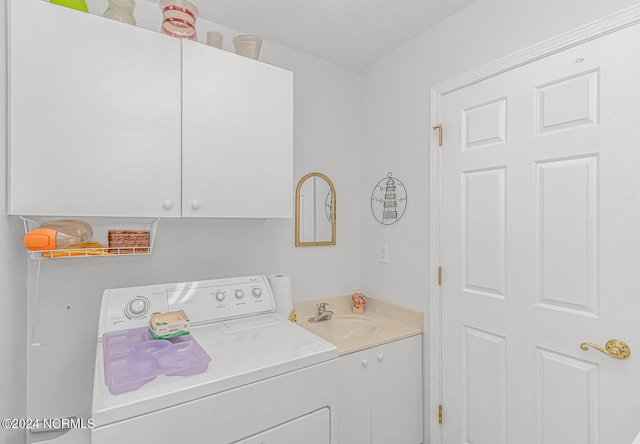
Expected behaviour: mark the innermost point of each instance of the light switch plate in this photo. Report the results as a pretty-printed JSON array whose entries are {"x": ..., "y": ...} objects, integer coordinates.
[{"x": 383, "y": 253}]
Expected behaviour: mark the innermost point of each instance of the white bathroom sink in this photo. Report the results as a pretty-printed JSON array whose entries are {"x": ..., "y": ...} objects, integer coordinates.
[{"x": 344, "y": 327}]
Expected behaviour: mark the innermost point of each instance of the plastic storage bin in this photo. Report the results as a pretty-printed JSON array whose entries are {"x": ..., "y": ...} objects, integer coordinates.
[{"x": 133, "y": 358}]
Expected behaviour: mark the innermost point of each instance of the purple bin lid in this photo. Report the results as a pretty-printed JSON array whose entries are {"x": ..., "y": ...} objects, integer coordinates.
[{"x": 132, "y": 358}]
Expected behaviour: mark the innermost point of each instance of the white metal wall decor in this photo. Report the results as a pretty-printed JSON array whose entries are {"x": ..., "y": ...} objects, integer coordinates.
[{"x": 388, "y": 200}]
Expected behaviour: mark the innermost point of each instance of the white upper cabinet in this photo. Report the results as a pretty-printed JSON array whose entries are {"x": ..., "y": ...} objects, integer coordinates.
[
  {"x": 94, "y": 115},
  {"x": 107, "y": 119},
  {"x": 237, "y": 136}
]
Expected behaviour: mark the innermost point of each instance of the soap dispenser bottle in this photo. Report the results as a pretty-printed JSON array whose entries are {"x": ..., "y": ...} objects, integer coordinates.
[{"x": 358, "y": 301}]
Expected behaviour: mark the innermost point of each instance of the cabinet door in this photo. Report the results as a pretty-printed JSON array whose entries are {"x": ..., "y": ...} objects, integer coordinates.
[
  {"x": 354, "y": 398},
  {"x": 237, "y": 140},
  {"x": 397, "y": 392},
  {"x": 94, "y": 112}
]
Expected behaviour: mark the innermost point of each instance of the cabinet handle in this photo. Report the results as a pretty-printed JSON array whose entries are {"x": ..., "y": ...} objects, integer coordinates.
[
  {"x": 195, "y": 204},
  {"x": 365, "y": 362},
  {"x": 380, "y": 357},
  {"x": 167, "y": 204}
]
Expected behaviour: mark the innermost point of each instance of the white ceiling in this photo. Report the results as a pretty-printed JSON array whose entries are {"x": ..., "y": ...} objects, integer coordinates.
[{"x": 348, "y": 32}]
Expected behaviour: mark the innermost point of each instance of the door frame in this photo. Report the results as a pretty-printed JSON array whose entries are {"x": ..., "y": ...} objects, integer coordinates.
[{"x": 620, "y": 20}]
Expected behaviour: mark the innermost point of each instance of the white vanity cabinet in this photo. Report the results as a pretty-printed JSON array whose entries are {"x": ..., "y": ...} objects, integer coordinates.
[
  {"x": 108, "y": 119},
  {"x": 94, "y": 115},
  {"x": 380, "y": 394},
  {"x": 237, "y": 136}
]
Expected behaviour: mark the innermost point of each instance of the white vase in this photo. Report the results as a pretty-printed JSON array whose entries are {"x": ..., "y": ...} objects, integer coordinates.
[
  {"x": 247, "y": 45},
  {"x": 121, "y": 10},
  {"x": 214, "y": 39}
]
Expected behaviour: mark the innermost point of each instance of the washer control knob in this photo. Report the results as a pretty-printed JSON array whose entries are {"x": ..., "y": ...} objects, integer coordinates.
[
  {"x": 256, "y": 292},
  {"x": 239, "y": 294},
  {"x": 136, "y": 308},
  {"x": 219, "y": 296}
]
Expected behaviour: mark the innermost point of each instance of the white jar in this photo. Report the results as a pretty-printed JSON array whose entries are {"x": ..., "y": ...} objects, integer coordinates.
[{"x": 121, "y": 10}]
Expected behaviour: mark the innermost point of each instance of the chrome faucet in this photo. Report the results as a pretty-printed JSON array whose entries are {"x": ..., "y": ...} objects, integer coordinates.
[{"x": 322, "y": 314}]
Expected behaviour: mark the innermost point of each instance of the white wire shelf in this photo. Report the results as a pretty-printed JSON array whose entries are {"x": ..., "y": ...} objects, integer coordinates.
[{"x": 100, "y": 235}]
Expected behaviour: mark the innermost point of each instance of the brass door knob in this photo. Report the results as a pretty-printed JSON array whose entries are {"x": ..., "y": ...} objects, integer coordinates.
[{"x": 614, "y": 348}]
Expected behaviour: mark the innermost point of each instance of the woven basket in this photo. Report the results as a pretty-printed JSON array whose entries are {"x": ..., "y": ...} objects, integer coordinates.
[{"x": 119, "y": 239}]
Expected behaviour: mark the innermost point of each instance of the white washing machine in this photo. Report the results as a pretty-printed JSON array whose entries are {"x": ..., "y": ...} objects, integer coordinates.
[{"x": 268, "y": 380}]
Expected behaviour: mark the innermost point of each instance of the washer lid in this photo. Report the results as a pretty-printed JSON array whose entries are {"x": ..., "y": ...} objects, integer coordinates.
[{"x": 243, "y": 351}]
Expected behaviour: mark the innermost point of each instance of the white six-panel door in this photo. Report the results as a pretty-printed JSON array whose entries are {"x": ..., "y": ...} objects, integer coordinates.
[{"x": 540, "y": 246}]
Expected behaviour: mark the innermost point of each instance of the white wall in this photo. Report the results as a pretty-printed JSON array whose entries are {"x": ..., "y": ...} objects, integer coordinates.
[
  {"x": 327, "y": 112},
  {"x": 12, "y": 284},
  {"x": 397, "y": 122}
]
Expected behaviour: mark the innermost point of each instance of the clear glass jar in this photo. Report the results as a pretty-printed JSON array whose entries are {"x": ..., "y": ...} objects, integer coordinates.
[{"x": 121, "y": 10}]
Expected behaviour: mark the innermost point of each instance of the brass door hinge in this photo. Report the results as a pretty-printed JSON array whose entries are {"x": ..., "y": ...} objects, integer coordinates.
[
  {"x": 439, "y": 275},
  {"x": 440, "y": 414},
  {"x": 439, "y": 128}
]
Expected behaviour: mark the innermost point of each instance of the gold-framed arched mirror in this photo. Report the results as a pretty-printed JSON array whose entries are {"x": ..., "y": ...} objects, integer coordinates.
[{"x": 315, "y": 211}]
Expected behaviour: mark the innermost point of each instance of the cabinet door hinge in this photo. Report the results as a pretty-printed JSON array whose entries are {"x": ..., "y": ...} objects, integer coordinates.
[
  {"x": 439, "y": 275},
  {"x": 439, "y": 128},
  {"x": 440, "y": 414}
]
